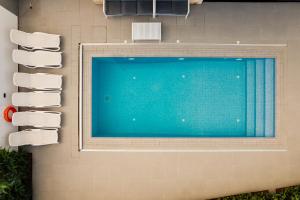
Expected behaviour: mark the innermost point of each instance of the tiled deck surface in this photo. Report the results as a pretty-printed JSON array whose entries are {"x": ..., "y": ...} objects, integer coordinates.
[{"x": 61, "y": 172}]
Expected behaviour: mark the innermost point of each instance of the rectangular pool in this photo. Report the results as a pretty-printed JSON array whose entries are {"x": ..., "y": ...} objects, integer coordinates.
[{"x": 183, "y": 97}]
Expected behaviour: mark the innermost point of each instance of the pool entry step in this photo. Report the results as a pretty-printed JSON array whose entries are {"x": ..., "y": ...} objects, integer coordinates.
[{"x": 260, "y": 98}]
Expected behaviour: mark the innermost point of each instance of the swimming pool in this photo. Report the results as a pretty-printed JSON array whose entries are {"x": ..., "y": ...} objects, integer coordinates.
[{"x": 183, "y": 97}]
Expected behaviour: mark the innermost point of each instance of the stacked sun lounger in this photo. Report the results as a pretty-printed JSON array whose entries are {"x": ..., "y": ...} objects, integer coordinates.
[{"x": 37, "y": 50}]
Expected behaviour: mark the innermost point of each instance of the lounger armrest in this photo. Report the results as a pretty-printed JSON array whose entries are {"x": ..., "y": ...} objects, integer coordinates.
[
  {"x": 40, "y": 48},
  {"x": 52, "y": 66},
  {"x": 40, "y": 111},
  {"x": 50, "y": 129},
  {"x": 27, "y": 48},
  {"x": 46, "y": 33},
  {"x": 59, "y": 92},
  {"x": 29, "y": 66}
]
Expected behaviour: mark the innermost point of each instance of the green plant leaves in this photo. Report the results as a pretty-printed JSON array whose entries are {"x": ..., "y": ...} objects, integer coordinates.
[
  {"x": 15, "y": 175},
  {"x": 3, "y": 187},
  {"x": 288, "y": 193}
]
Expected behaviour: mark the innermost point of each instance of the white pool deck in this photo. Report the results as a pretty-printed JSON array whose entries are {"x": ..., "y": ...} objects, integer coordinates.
[{"x": 62, "y": 172}]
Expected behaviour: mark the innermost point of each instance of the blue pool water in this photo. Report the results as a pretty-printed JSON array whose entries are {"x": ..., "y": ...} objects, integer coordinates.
[{"x": 183, "y": 97}]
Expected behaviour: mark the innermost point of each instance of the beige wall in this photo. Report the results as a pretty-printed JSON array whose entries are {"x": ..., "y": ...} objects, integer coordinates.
[{"x": 7, "y": 68}]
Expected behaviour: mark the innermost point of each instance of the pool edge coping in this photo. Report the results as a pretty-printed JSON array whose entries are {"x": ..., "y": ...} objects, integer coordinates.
[{"x": 81, "y": 145}]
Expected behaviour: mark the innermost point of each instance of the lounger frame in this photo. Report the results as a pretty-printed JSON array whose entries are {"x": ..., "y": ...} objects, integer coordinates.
[
  {"x": 42, "y": 126},
  {"x": 33, "y": 143},
  {"x": 32, "y": 48},
  {"x": 39, "y": 88},
  {"x": 19, "y": 55},
  {"x": 50, "y": 106}
]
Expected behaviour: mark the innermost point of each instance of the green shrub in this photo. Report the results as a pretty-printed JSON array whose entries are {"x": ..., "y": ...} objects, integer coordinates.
[
  {"x": 249, "y": 196},
  {"x": 15, "y": 175},
  {"x": 288, "y": 193}
]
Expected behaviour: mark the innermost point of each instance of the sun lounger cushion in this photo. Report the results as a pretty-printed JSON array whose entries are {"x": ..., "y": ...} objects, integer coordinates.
[
  {"x": 34, "y": 59},
  {"x": 34, "y": 41},
  {"x": 39, "y": 81},
  {"x": 37, "y": 99},
  {"x": 39, "y": 119},
  {"x": 33, "y": 137}
]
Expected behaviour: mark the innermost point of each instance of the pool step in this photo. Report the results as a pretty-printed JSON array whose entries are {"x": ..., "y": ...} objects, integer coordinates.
[
  {"x": 270, "y": 97},
  {"x": 250, "y": 98},
  {"x": 260, "y": 100},
  {"x": 260, "y": 97}
]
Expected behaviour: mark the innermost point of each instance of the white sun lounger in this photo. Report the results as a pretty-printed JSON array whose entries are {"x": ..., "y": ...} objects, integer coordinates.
[
  {"x": 38, "y": 119},
  {"x": 40, "y": 81},
  {"x": 35, "y": 137},
  {"x": 44, "y": 59},
  {"x": 37, "y": 99},
  {"x": 35, "y": 41}
]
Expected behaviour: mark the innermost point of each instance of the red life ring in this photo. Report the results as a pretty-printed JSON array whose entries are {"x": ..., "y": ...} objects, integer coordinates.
[{"x": 7, "y": 113}]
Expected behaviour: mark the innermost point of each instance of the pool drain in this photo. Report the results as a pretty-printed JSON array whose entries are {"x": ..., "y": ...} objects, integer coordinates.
[{"x": 107, "y": 98}]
